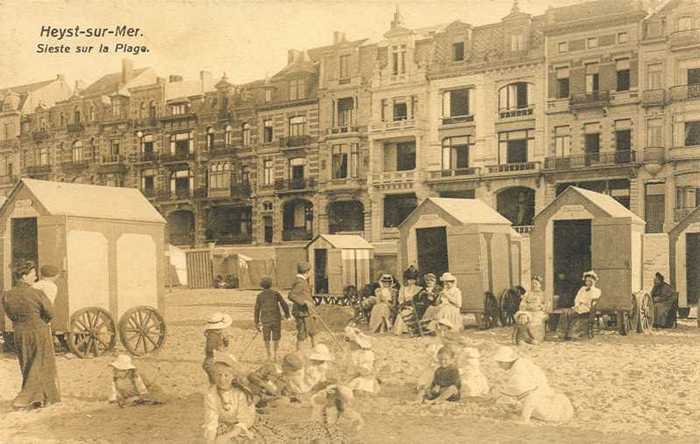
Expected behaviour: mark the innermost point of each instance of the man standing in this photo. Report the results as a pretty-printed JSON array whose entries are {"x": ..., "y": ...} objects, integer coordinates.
[{"x": 300, "y": 295}]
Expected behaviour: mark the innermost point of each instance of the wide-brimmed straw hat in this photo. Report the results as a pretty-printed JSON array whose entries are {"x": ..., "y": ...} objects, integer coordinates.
[
  {"x": 218, "y": 320},
  {"x": 505, "y": 354},
  {"x": 448, "y": 277},
  {"x": 344, "y": 393},
  {"x": 355, "y": 335},
  {"x": 292, "y": 362},
  {"x": 386, "y": 278},
  {"x": 592, "y": 274},
  {"x": 321, "y": 353},
  {"x": 123, "y": 362}
]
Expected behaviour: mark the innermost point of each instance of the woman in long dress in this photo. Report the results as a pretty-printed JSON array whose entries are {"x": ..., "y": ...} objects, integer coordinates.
[
  {"x": 527, "y": 383},
  {"x": 406, "y": 299},
  {"x": 31, "y": 311},
  {"x": 384, "y": 297},
  {"x": 429, "y": 299},
  {"x": 532, "y": 314},
  {"x": 451, "y": 302},
  {"x": 573, "y": 320}
]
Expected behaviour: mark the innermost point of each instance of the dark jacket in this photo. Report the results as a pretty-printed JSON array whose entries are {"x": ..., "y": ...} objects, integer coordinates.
[
  {"x": 267, "y": 307},
  {"x": 27, "y": 307}
]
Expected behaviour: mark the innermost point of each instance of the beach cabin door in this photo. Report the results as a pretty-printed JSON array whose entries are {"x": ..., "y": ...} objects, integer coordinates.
[
  {"x": 572, "y": 257},
  {"x": 320, "y": 271},
  {"x": 692, "y": 263},
  {"x": 24, "y": 239},
  {"x": 432, "y": 250}
]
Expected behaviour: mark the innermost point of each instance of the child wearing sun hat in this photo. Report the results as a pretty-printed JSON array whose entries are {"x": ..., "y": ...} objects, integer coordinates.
[
  {"x": 316, "y": 374},
  {"x": 216, "y": 340},
  {"x": 128, "y": 387}
]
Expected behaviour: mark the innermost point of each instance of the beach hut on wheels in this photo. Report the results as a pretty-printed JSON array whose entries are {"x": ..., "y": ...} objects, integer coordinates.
[
  {"x": 339, "y": 260},
  {"x": 469, "y": 239},
  {"x": 108, "y": 244},
  {"x": 583, "y": 230}
]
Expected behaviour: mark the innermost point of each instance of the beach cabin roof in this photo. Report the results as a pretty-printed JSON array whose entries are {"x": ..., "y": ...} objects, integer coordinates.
[
  {"x": 605, "y": 203},
  {"x": 462, "y": 211},
  {"x": 344, "y": 241},
  {"x": 90, "y": 201}
]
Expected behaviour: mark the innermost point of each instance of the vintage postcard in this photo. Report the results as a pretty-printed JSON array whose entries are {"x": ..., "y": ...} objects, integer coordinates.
[{"x": 408, "y": 221}]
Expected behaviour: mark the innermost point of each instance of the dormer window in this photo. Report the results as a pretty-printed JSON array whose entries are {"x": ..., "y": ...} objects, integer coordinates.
[
  {"x": 398, "y": 60},
  {"x": 268, "y": 95},
  {"x": 178, "y": 109},
  {"x": 517, "y": 42},
  {"x": 297, "y": 89},
  {"x": 458, "y": 51},
  {"x": 344, "y": 66}
]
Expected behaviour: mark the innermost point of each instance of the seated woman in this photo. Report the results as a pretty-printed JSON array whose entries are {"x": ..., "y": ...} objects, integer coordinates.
[
  {"x": 384, "y": 298},
  {"x": 531, "y": 316},
  {"x": 451, "y": 302},
  {"x": 406, "y": 298},
  {"x": 664, "y": 299},
  {"x": 527, "y": 383},
  {"x": 572, "y": 322},
  {"x": 428, "y": 300}
]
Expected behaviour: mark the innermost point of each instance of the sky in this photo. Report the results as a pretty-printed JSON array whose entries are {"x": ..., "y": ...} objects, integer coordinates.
[{"x": 245, "y": 39}]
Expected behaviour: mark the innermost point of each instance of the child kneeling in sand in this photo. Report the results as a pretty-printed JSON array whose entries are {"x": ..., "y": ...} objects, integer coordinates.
[
  {"x": 128, "y": 387},
  {"x": 446, "y": 384}
]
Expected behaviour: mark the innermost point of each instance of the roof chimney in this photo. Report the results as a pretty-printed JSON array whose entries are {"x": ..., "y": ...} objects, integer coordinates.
[
  {"x": 336, "y": 37},
  {"x": 292, "y": 56},
  {"x": 206, "y": 81},
  {"x": 127, "y": 70}
]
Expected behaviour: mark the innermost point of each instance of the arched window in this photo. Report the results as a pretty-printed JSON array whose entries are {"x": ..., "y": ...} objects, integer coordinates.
[
  {"x": 77, "y": 151},
  {"x": 220, "y": 176},
  {"x": 228, "y": 135},
  {"x": 518, "y": 95},
  {"x": 91, "y": 115},
  {"x": 152, "y": 110},
  {"x": 76, "y": 115},
  {"x": 210, "y": 138},
  {"x": 246, "y": 134}
]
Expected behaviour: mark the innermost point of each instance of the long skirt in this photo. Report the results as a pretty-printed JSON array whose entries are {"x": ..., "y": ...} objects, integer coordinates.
[
  {"x": 37, "y": 362},
  {"x": 453, "y": 314},
  {"x": 662, "y": 314},
  {"x": 379, "y": 318}
]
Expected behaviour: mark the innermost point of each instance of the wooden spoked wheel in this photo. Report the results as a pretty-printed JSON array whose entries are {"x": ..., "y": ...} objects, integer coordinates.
[
  {"x": 142, "y": 330},
  {"x": 92, "y": 332},
  {"x": 502, "y": 315},
  {"x": 646, "y": 313}
]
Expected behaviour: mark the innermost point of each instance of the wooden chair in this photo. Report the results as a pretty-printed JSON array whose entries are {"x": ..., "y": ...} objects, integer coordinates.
[{"x": 594, "y": 319}]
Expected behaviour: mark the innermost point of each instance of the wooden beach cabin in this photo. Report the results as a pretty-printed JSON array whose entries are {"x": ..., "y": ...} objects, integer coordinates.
[
  {"x": 339, "y": 260},
  {"x": 108, "y": 244},
  {"x": 467, "y": 238},
  {"x": 684, "y": 259}
]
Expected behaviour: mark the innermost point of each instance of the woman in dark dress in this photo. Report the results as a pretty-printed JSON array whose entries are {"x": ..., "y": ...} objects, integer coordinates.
[{"x": 31, "y": 311}]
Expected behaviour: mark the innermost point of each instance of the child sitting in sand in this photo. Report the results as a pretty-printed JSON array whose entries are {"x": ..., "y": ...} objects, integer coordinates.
[
  {"x": 474, "y": 383},
  {"x": 362, "y": 362},
  {"x": 316, "y": 371},
  {"x": 426, "y": 377},
  {"x": 294, "y": 385},
  {"x": 446, "y": 384},
  {"x": 265, "y": 384},
  {"x": 128, "y": 387},
  {"x": 216, "y": 341},
  {"x": 333, "y": 412}
]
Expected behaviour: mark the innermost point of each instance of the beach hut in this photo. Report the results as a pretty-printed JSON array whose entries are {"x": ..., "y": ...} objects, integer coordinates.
[
  {"x": 108, "y": 244},
  {"x": 684, "y": 241},
  {"x": 467, "y": 238},
  {"x": 583, "y": 230},
  {"x": 339, "y": 260}
]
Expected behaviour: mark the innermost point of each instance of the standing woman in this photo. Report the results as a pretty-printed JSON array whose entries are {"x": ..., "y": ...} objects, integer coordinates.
[{"x": 31, "y": 311}]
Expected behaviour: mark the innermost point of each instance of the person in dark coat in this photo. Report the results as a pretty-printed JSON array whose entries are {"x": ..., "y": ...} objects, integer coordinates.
[
  {"x": 664, "y": 298},
  {"x": 302, "y": 306},
  {"x": 268, "y": 317},
  {"x": 31, "y": 311}
]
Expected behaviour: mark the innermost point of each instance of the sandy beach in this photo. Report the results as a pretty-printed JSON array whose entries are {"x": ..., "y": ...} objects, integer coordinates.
[{"x": 623, "y": 388}]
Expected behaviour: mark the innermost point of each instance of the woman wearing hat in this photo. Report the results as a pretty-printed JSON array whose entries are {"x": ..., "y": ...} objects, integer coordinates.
[
  {"x": 571, "y": 324},
  {"x": 406, "y": 300},
  {"x": 30, "y": 312},
  {"x": 384, "y": 297},
  {"x": 216, "y": 340},
  {"x": 450, "y": 307},
  {"x": 527, "y": 383},
  {"x": 429, "y": 299}
]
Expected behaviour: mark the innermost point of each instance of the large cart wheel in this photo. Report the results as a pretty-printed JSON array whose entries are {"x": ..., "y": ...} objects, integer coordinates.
[
  {"x": 142, "y": 330},
  {"x": 646, "y": 314},
  {"x": 502, "y": 314},
  {"x": 91, "y": 332}
]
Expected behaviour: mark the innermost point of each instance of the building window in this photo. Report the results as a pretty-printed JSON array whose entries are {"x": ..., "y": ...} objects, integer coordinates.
[
  {"x": 297, "y": 89},
  {"x": 563, "y": 47},
  {"x": 592, "y": 142},
  {"x": 355, "y": 160},
  {"x": 622, "y": 37},
  {"x": 563, "y": 90},
  {"x": 655, "y": 75},
  {"x": 179, "y": 109},
  {"x": 398, "y": 59},
  {"x": 692, "y": 133},
  {"x": 267, "y": 131},
  {"x": 515, "y": 146},
  {"x": 344, "y": 63},
  {"x": 297, "y": 126},
  {"x": 181, "y": 143},
  {"x": 220, "y": 176},
  {"x": 268, "y": 95},
  {"x": 592, "y": 42},
  {"x": 91, "y": 114},
  {"x": 114, "y": 148},
  {"x": 340, "y": 161},
  {"x": 345, "y": 109},
  {"x": 245, "y": 130},
  {"x": 517, "y": 42},
  {"x": 296, "y": 172},
  {"x": 458, "y": 51},
  {"x": 400, "y": 110},
  {"x": 455, "y": 153},
  {"x": 44, "y": 155},
  {"x": 685, "y": 24},
  {"x": 687, "y": 197},
  {"x": 210, "y": 138},
  {"x": 592, "y": 85},
  {"x": 148, "y": 183},
  {"x": 268, "y": 170},
  {"x": 397, "y": 207},
  {"x": 76, "y": 116},
  {"x": 623, "y": 136},
  {"x": 693, "y": 78},
  {"x": 152, "y": 110},
  {"x": 655, "y": 133},
  {"x": 228, "y": 135},
  {"x": 562, "y": 141},
  {"x": 61, "y": 120},
  {"x": 623, "y": 75},
  {"x": 267, "y": 206},
  {"x": 517, "y": 95},
  {"x": 405, "y": 156},
  {"x": 455, "y": 103},
  {"x": 181, "y": 183},
  {"x": 77, "y": 151}
]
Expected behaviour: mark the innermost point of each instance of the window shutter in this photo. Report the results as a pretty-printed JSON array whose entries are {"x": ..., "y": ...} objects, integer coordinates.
[
  {"x": 471, "y": 95},
  {"x": 446, "y": 104},
  {"x": 172, "y": 144},
  {"x": 503, "y": 98},
  {"x": 530, "y": 94}
]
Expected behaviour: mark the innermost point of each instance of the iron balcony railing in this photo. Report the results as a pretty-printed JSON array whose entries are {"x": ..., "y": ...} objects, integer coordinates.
[
  {"x": 591, "y": 159},
  {"x": 654, "y": 97},
  {"x": 181, "y": 238},
  {"x": 456, "y": 172},
  {"x": 296, "y": 234},
  {"x": 523, "y": 229},
  {"x": 452, "y": 120},
  {"x": 37, "y": 169},
  {"x": 304, "y": 183},
  {"x": 41, "y": 134},
  {"x": 75, "y": 127},
  {"x": 593, "y": 99},
  {"x": 517, "y": 112},
  {"x": 682, "y": 93},
  {"x": 176, "y": 157},
  {"x": 687, "y": 37},
  {"x": 295, "y": 141},
  {"x": 148, "y": 156},
  {"x": 512, "y": 167}
]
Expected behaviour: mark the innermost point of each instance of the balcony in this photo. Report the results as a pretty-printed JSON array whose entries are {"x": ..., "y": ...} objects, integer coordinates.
[
  {"x": 394, "y": 178},
  {"x": 295, "y": 185},
  {"x": 682, "y": 39},
  {"x": 149, "y": 156},
  {"x": 177, "y": 195},
  {"x": 293, "y": 142},
  {"x": 148, "y": 122},
  {"x": 181, "y": 239},
  {"x": 113, "y": 163},
  {"x": 684, "y": 152},
  {"x": 654, "y": 154},
  {"x": 40, "y": 134},
  {"x": 523, "y": 229},
  {"x": 350, "y": 130},
  {"x": 681, "y": 213},
  {"x": 559, "y": 105},
  {"x": 456, "y": 120},
  {"x": 296, "y": 234},
  {"x": 681, "y": 93},
  {"x": 75, "y": 127},
  {"x": 596, "y": 99},
  {"x": 235, "y": 191},
  {"x": 614, "y": 158},
  {"x": 455, "y": 175},
  {"x": 515, "y": 168},
  {"x": 231, "y": 238},
  {"x": 654, "y": 97},
  {"x": 393, "y": 125},
  {"x": 176, "y": 157},
  {"x": 37, "y": 169},
  {"x": 347, "y": 183},
  {"x": 516, "y": 114},
  {"x": 75, "y": 166}
]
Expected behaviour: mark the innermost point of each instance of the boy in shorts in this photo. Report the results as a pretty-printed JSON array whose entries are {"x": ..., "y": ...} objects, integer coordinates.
[{"x": 268, "y": 317}]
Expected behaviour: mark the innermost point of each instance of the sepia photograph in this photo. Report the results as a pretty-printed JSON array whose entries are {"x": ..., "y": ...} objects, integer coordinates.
[{"x": 323, "y": 221}]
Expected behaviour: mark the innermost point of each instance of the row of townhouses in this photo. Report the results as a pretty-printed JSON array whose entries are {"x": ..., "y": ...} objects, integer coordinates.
[{"x": 348, "y": 137}]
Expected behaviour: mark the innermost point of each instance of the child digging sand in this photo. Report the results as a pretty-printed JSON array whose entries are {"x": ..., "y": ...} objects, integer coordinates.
[
  {"x": 128, "y": 388},
  {"x": 268, "y": 317}
]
